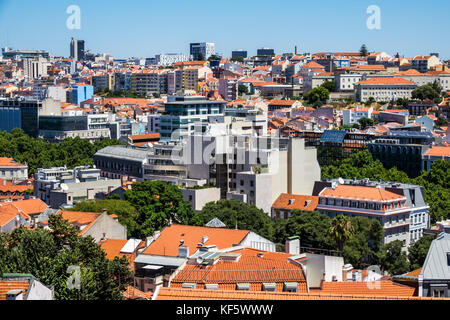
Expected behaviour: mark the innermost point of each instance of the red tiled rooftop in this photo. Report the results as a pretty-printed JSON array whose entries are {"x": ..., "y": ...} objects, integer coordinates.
[
  {"x": 299, "y": 201},
  {"x": 360, "y": 192},
  {"x": 437, "y": 151},
  {"x": 169, "y": 240}
]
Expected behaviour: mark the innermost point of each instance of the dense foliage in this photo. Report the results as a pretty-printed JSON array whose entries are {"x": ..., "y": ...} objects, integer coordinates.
[
  {"x": 234, "y": 213},
  {"x": 117, "y": 93},
  {"x": 428, "y": 92},
  {"x": 393, "y": 259},
  {"x": 418, "y": 252},
  {"x": 157, "y": 203},
  {"x": 317, "y": 96},
  {"x": 47, "y": 255},
  {"x": 38, "y": 153}
]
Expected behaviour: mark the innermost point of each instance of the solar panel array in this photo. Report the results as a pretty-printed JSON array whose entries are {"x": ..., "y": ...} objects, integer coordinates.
[{"x": 336, "y": 136}]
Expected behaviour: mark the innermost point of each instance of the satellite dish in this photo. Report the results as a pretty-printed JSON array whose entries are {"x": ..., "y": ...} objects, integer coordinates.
[
  {"x": 64, "y": 187},
  {"x": 341, "y": 181},
  {"x": 199, "y": 260}
]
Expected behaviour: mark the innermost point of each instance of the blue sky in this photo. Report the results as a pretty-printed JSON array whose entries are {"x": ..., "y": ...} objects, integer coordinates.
[{"x": 143, "y": 28}]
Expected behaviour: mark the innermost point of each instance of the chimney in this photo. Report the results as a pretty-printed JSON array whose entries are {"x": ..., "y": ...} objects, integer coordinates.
[
  {"x": 295, "y": 50},
  {"x": 204, "y": 239},
  {"x": 183, "y": 251},
  {"x": 293, "y": 245}
]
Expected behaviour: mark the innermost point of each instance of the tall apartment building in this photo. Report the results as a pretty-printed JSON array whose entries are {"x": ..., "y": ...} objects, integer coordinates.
[
  {"x": 400, "y": 208},
  {"x": 182, "y": 111},
  {"x": 148, "y": 83},
  {"x": 239, "y": 53},
  {"x": 205, "y": 48},
  {"x": 35, "y": 67},
  {"x": 77, "y": 49},
  {"x": 228, "y": 88},
  {"x": 81, "y": 92},
  {"x": 104, "y": 81}
]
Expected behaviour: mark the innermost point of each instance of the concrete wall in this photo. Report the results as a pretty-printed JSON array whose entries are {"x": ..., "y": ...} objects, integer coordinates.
[
  {"x": 256, "y": 241},
  {"x": 38, "y": 291},
  {"x": 304, "y": 168},
  {"x": 108, "y": 226},
  {"x": 198, "y": 198}
]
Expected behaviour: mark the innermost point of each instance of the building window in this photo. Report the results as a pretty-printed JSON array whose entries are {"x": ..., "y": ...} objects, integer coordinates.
[
  {"x": 290, "y": 287},
  {"x": 438, "y": 291}
]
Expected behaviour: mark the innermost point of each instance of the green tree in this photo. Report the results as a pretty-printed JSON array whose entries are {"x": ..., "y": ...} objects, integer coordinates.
[
  {"x": 157, "y": 203},
  {"x": 363, "y": 50},
  {"x": 329, "y": 85},
  {"x": 365, "y": 123},
  {"x": 200, "y": 57},
  {"x": 393, "y": 259},
  {"x": 243, "y": 89},
  {"x": 237, "y": 59},
  {"x": 441, "y": 121},
  {"x": 213, "y": 57},
  {"x": 418, "y": 252},
  {"x": 234, "y": 213},
  {"x": 47, "y": 255},
  {"x": 38, "y": 153},
  {"x": 319, "y": 94},
  {"x": 311, "y": 226},
  {"x": 341, "y": 230},
  {"x": 427, "y": 92},
  {"x": 363, "y": 247}
]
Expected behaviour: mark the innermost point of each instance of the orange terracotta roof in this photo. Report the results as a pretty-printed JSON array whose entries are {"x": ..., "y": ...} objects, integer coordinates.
[
  {"x": 145, "y": 136},
  {"x": 360, "y": 192},
  {"x": 414, "y": 273},
  {"x": 132, "y": 293},
  {"x": 169, "y": 239},
  {"x": 378, "y": 288},
  {"x": 6, "y": 217},
  {"x": 7, "y": 285},
  {"x": 9, "y": 162},
  {"x": 271, "y": 267},
  {"x": 30, "y": 206},
  {"x": 386, "y": 81},
  {"x": 409, "y": 72},
  {"x": 171, "y": 293},
  {"x": 312, "y": 64},
  {"x": 437, "y": 151},
  {"x": 281, "y": 102},
  {"x": 300, "y": 202}
]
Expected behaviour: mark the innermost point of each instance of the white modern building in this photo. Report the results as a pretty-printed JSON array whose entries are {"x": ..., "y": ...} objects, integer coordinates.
[
  {"x": 167, "y": 59},
  {"x": 205, "y": 48},
  {"x": 351, "y": 116}
]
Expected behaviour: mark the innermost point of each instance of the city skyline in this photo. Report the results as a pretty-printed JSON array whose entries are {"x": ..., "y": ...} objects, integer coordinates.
[{"x": 148, "y": 28}]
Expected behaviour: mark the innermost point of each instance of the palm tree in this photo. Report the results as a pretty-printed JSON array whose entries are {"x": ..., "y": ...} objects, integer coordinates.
[{"x": 341, "y": 230}]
